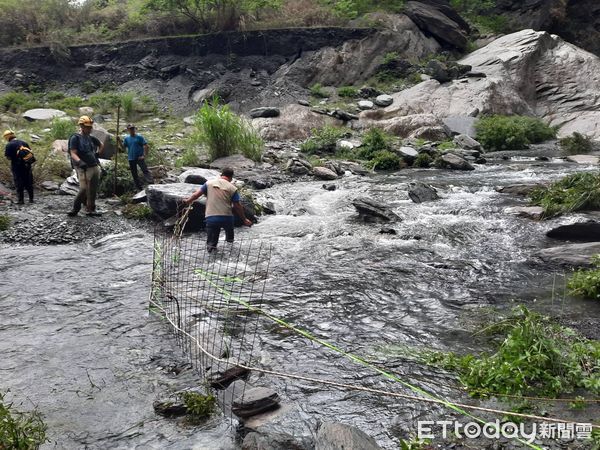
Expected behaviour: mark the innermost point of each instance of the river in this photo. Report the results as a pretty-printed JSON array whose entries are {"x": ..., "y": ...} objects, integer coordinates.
[{"x": 77, "y": 340}]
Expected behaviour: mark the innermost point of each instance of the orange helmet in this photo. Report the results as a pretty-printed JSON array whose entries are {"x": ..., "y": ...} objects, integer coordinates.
[
  {"x": 85, "y": 121},
  {"x": 8, "y": 134}
]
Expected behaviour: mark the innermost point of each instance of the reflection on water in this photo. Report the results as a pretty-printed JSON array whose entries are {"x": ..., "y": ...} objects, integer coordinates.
[{"x": 76, "y": 338}]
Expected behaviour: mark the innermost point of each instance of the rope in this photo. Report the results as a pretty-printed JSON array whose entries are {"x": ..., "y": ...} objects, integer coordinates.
[{"x": 366, "y": 389}]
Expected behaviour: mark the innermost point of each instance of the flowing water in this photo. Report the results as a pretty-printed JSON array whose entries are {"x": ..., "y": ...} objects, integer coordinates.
[{"x": 77, "y": 341}]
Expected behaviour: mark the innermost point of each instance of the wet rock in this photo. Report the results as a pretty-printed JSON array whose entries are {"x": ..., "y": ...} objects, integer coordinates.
[
  {"x": 420, "y": 192},
  {"x": 531, "y": 212},
  {"x": 335, "y": 436},
  {"x": 582, "y": 231},
  {"x": 298, "y": 166},
  {"x": 354, "y": 168},
  {"x": 329, "y": 187},
  {"x": 387, "y": 231},
  {"x": 344, "y": 116},
  {"x": 255, "y": 401},
  {"x": 265, "y": 111},
  {"x": 584, "y": 159},
  {"x": 50, "y": 186},
  {"x": 574, "y": 255},
  {"x": 166, "y": 201},
  {"x": 335, "y": 167},
  {"x": 370, "y": 210},
  {"x": 324, "y": 173},
  {"x": 519, "y": 189},
  {"x": 407, "y": 153},
  {"x": 140, "y": 197},
  {"x": 455, "y": 162},
  {"x": 275, "y": 441},
  {"x": 198, "y": 176}
]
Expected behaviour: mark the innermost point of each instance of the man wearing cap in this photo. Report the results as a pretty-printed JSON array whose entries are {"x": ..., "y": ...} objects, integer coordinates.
[
  {"x": 222, "y": 200},
  {"x": 22, "y": 173},
  {"x": 137, "y": 151},
  {"x": 84, "y": 150}
]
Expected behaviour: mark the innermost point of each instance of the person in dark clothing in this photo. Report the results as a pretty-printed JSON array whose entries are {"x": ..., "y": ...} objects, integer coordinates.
[
  {"x": 22, "y": 173},
  {"x": 84, "y": 150},
  {"x": 222, "y": 201},
  {"x": 137, "y": 152}
]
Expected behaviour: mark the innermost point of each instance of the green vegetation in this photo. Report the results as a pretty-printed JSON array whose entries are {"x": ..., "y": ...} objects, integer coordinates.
[
  {"x": 586, "y": 282},
  {"x": 535, "y": 356},
  {"x": 125, "y": 182},
  {"x": 480, "y": 13},
  {"x": 316, "y": 90},
  {"x": 4, "y": 222},
  {"x": 446, "y": 145},
  {"x": 375, "y": 140},
  {"x": 323, "y": 140},
  {"x": 225, "y": 133},
  {"x": 386, "y": 160},
  {"x": 423, "y": 160},
  {"x": 20, "y": 431},
  {"x": 62, "y": 129},
  {"x": 576, "y": 192},
  {"x": 512, "y": 132},
  {"x": 576, "y": 144},
  {"x": 189, "y": 158},
  {"x": 347, "y": 92},
  {"x": 139, "y": 211},
  {"x": 199, "y": 406},
  {"x": 415, "y": 444}
]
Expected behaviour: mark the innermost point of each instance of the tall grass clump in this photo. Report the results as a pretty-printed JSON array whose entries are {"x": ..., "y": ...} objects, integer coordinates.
[
  {"x": 576, "y": 144},
  {"x": 61, "y": 129},
  {"x": 4, "y": 222},
  {"x": 575, "y": 192},
  {"x": 225, "y": 133},
  {"x": 534, "y": 356},
  {"x": 20, "y": 431},
  {"x": 512, "y": 132}
]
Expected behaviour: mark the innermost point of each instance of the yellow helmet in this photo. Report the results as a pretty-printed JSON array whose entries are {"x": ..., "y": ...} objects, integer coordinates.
[
  {"x": 85, "y": 121},
  {"x": 8, "y": 134}
]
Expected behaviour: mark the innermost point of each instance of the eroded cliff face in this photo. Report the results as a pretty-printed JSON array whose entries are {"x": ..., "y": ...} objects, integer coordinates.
[{"x": 576, "y": 21}]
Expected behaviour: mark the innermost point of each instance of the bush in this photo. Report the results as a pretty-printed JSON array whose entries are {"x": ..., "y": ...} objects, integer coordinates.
[
  {"x": 199, "y": 406},
  {"x": 189, "y": 158},
  {"x": 576, "y": 192},
  {"x": 586, "y": 282},
  {"x": 4, "y": 222},
  {"x": 347, "y": 91},
  {"x": 374, "y": 141},
  {"x": 512, "y": 132},
  {"x": 20, "y": 431},
  {"x": 61, "y": 129},
  {"x": 18, "y": 102},
  {"x": 124, "y": 183},
  {"x": 535, "y": 357},
  {"x": 139, "y": 211},
  {"x": 576, "y": 144},
  {"x": 316, "y": 90},
  {"x": 323, "y": 140},
  {"x": 225, "y": 133},
  {"x": 422, "y": 160},
  {"x": 386, "y": 160}
]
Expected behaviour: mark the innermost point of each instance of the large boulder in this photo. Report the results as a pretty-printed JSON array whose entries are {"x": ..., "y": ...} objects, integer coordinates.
[
  {"x": 335, "y": 436},
  {"x": 581, "y": 231},
  {"x": 574, "y": 255},
  {"x": 359, "y": 59},
  {"x": 439, "y": 20},
  {"x": 43, "y": 114},
  {"x": 198, "y": 175},
  {"x": 166, "y": 201},
  {"x": 295, "y": 122},
  {"x": 370, "y": 210},
  {"x": 528, "y": 73}
]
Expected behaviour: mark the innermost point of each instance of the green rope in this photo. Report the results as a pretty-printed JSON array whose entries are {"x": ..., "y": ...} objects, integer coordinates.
[{"x": 205, "y": 275}]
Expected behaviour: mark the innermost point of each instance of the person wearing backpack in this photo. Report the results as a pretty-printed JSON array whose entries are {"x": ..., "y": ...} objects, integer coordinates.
[
  {"x": 84, "y": 150},
  {"x": 21, "y": 159},
  {"x": 137, "y": 151}
]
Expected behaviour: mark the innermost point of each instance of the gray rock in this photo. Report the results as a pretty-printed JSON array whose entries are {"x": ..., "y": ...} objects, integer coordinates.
[
  {"x": 343, "y": 115},
  {"x": 189, "y": 120},
  {"x": 275, "y": 441},
  {"x": 531, "y": 212},
  {"x": 574, "y": 255},
  {"x": 236, "y": 162},
  {"x": 371, "y": 211},
  {"x": 464, "y": 125},
  {"x": 166, "y": 201},
  {"x": 329, "y": 187},
  {"x": 584, "y": 159},
  {"x": 581, "y": 231},
  {"x": 408, "y": 153},
  {"x": 439, "y": 22},
  {"x": 255, "y": 401},
  {"x": 455, "y": 162},
  {"x": 519, "y": 189},
  {"x": 50, "y": 186},
  {"x": 467, "y": 142},
  {"x": 43, "y": 114},
  {"x": 94, "y": 67},
  {"x": 140, "y": 197},
  {"x": 384, "y": 100},
  {"x": 324, "y": 173},
  {"x": 336, "y": 436},
  {"x": 365, "y": 104},
  {"x": 420, "y": 192},
  {"x": 265, "y": 111},
  {"x": 198, "y": 176}
]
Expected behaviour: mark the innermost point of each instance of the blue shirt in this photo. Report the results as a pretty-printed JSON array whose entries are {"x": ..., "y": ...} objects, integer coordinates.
[{"x": 135, "y": 146}]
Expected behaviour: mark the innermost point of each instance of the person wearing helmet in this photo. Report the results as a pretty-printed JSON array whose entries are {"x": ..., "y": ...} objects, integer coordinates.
[
  {"x": 22, "y": 173},
  {"x": 84, "y": 150},
  {"x": 137, "y": 151}
]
